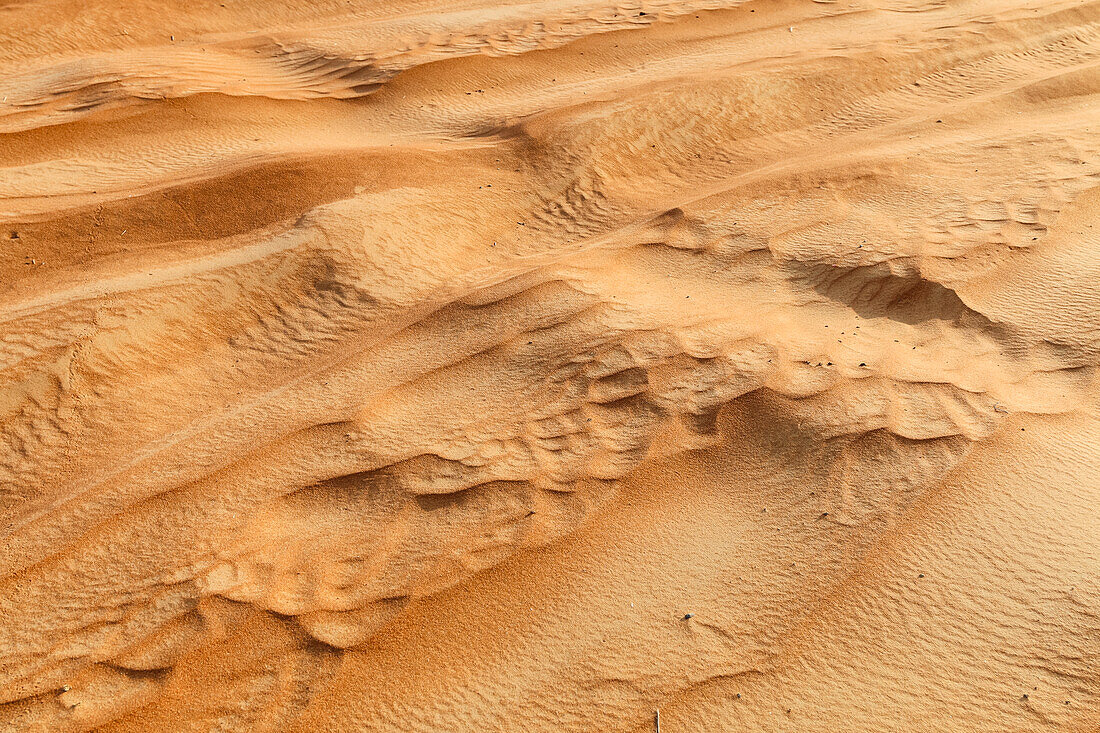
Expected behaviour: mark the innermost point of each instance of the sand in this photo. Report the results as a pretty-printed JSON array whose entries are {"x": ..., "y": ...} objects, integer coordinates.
[{"x": 448, "y": 365}]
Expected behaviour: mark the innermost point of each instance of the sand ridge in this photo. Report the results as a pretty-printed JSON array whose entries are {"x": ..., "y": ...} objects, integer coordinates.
[{"x": 436, "y": 365}]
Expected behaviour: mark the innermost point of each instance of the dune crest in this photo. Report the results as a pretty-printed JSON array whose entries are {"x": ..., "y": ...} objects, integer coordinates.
[{"x": 432, "y": 366}]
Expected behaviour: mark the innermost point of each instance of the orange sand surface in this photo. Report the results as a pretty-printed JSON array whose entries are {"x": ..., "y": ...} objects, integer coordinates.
[{"x": 563, "y": 365}]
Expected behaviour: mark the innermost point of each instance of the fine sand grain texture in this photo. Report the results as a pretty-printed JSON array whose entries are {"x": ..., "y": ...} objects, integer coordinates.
[{"x": 451, "y": 365}]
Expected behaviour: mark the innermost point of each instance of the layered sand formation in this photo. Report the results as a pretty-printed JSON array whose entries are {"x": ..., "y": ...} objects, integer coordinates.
[{"x": 467, "y": 366}]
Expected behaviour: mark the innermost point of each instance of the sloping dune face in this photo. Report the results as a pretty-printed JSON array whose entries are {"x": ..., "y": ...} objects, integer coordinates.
[{"x": 449, "y": 365}]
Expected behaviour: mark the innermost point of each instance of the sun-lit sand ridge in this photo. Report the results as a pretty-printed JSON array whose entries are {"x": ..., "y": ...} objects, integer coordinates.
[{"x": 420, "y": 365}]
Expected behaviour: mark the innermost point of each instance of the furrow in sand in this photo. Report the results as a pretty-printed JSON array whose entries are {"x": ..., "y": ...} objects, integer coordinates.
[{"x": 446, "y": 365}]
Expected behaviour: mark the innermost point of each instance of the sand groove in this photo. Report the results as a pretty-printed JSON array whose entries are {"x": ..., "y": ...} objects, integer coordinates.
[{"x": 421, "y": 366}]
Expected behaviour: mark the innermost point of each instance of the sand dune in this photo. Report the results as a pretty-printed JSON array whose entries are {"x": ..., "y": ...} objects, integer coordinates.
[{"x": 469, "y": 366}]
